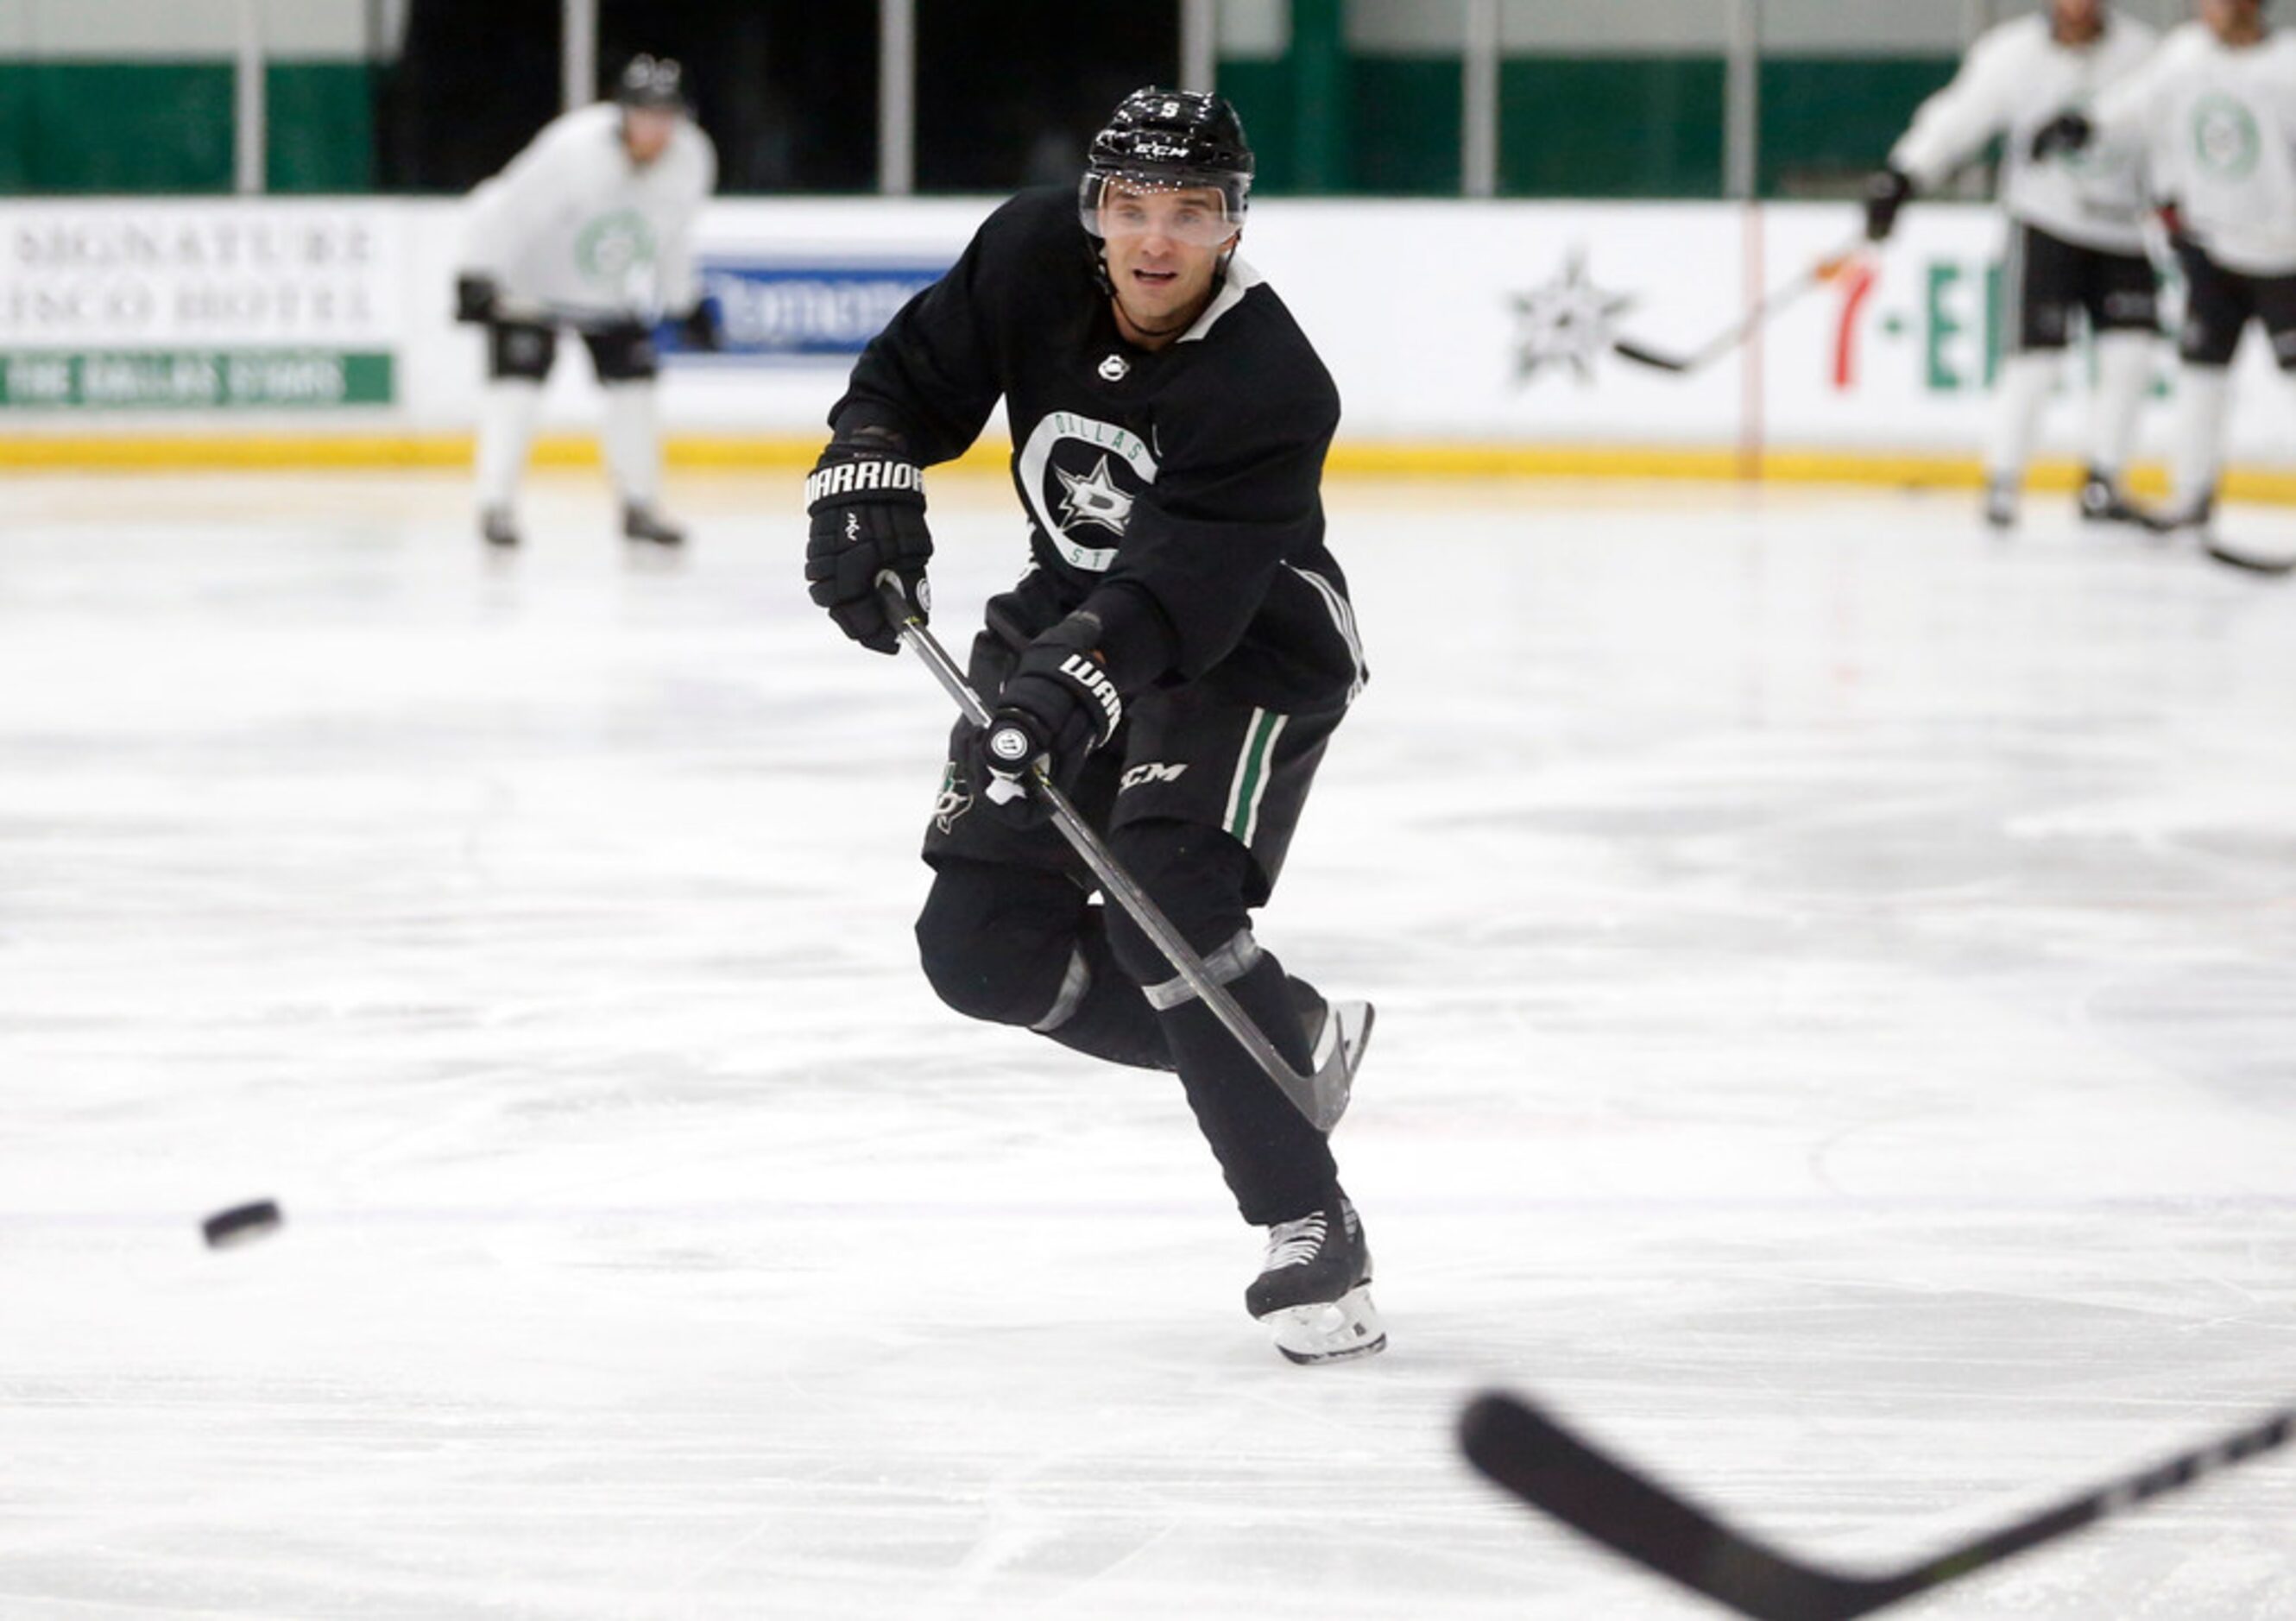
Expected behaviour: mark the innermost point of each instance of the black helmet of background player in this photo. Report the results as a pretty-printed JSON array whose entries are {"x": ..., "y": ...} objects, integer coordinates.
[
  {"x": 653, "y": 82},
  {"x": 651, "y": 94},
  {"x": 1170, "y": 141}
]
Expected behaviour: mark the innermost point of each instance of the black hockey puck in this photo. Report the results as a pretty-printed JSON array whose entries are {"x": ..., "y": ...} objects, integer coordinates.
[{"x": 242, "y": 1224}]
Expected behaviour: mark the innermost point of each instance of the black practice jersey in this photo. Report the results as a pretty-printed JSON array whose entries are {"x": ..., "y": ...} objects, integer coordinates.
[{"x": 1190, "y": 474}]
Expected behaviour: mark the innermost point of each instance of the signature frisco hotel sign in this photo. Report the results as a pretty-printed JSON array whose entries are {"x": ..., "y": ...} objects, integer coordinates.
[{"x": 187, "y": 306}]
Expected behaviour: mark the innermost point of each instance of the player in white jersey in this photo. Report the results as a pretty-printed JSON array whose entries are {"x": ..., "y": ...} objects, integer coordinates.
[
  {"x": 2075, "y": 237},
  {"x": 2218, "y": 103},
  {"x": 590, "y": 228}
]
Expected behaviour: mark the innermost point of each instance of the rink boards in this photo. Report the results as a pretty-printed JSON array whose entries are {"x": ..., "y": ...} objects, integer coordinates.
[{"x": 1470, "y": 337}]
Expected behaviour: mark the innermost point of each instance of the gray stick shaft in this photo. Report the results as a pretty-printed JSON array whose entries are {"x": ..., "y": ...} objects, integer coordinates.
[
  {"x": 1118, "y": 883},
  {"x": 1770, "y": 305}
]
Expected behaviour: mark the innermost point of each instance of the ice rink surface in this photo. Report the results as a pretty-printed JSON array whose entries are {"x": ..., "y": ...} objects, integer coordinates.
[{"x": 1837, "y": 977}]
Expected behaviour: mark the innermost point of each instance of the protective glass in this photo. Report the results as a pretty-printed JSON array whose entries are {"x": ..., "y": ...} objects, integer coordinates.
[{"x": 1202, "y": 213}]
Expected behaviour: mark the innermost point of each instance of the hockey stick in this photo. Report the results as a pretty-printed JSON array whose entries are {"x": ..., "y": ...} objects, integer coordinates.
[
  {"x": 1823, "y": 271},
  {"x": 1322, "y": 1113},
  {"x": 1554, "y": 1471},
  {"x": 2273, "y": 565}
]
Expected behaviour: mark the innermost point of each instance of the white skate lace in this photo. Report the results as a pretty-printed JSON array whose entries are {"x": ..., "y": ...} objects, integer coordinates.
[{"x": 1294, "y": 1243}]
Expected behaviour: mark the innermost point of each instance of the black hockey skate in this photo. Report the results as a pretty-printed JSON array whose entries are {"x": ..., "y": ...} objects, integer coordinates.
[
  {"x": 646, "y": 523},
  {"x": 1338, "y": 1032},
  {"x": 1313, "y": 1288},
  {"x": 2102, "y": 501},
  {"x": 498, "y": 528},
  {"x": 2170, "y": 522}
]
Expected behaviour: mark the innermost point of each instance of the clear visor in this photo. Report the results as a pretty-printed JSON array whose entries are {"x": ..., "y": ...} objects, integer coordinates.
[{"x": 1200, "y": 213}]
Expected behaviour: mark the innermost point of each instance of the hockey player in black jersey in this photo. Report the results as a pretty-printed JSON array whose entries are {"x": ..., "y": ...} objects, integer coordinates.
[{"x": 1177, "y": 655}]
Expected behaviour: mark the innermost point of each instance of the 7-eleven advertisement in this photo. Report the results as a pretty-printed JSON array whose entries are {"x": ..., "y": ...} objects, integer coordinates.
[
  {"x": 1515, "y": 324},
  {"x": 1900, "y": 350}
]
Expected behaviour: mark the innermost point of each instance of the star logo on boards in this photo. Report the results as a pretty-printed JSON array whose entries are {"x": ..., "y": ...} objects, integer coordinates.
[
  {"x": 1567, "y": 321},
  {"x": 1094, "y": 498}
]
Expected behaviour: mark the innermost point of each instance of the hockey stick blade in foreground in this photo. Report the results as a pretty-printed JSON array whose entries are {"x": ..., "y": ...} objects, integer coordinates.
[{"x": 1552, "y": 1469}]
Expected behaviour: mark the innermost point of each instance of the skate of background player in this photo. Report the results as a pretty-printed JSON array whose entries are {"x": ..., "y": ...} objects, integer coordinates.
[{"x": 1323, "y": 1112}]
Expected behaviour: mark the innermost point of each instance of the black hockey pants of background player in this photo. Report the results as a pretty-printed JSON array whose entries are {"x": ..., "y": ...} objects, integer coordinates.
[{"x": 1010, "y": 932}]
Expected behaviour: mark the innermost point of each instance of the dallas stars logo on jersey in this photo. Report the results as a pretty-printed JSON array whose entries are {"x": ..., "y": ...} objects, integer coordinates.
[
  {"x": 613, "y": 246},
  {"x": 1094, "y": 499},
  {"x": 1081, "y": 478},
  {"x": 2225, "y": 137}
]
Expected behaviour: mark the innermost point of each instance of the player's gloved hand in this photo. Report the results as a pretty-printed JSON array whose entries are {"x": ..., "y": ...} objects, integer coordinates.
[
  {"x": 2068, "y": 132},
  {"x": 1057, "y": 706},
  {"x": 2171, "y": 215},
  {"x": 1887, "y": 190},
  {"x": 701, "y": 329},
  {"x": 475, "y": 297},
  {"x": 867, "y": 502}
]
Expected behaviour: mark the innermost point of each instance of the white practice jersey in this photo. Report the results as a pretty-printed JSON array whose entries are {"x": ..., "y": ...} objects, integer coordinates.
[
  {"x": 573, "y": 223},
  {"x": 2222, "y": 122},
  {"x": 2015, "y": 79}
]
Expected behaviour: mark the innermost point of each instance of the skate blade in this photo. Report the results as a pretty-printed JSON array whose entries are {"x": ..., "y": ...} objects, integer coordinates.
[{"x": 1330, "y": 1331}]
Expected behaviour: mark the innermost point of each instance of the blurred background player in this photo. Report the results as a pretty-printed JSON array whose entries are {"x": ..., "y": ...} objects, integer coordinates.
[
  {"x": 1178, "y": 653},
  {"x": 589, "y": 228},
  {"x": 2218, "y": 103},
  {"x": 2075, "y": 232}
]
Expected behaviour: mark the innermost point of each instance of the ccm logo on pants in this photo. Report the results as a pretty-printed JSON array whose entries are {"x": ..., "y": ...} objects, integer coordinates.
[{"x": 1140, "y": 776}]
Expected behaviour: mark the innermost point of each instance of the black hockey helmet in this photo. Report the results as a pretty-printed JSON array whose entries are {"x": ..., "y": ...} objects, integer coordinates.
[
  {"x": 1171, "y": 140},
  {"x": 655, "y": 83}
]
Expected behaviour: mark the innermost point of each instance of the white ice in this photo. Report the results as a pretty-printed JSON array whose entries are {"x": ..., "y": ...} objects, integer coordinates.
[{"x": 1837, "y": 977}]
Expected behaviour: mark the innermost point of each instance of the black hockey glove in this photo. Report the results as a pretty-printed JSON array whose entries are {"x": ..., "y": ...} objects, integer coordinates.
[
  {"x": 1057, "y": 706},
  {"x": 475, "y": 297},
  {"x": 1887, "y": 190},
  {"x": 867, "y": 502},
  {"x": 700, "y": 330},
  {"x": 2068, "y": 132}
]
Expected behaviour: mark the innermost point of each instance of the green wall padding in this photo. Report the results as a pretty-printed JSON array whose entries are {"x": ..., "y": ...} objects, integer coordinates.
[
  {"x": 1828, "y": 119},
  {"x": 1581, "y": 127},
  {"x": 320, "y": 133},
  {"x": 115, "y": 127},
  {"x": 1614, "y": 126},
  {"x": 148, "y": 128},
  {"x": 1408, "y": 113}
]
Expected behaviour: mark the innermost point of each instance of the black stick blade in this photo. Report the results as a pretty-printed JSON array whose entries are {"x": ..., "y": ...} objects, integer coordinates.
[
  {"x": 1627, "y": 349},
  {"x": 1552, "y": 1469},
  {"x": 2274, "y": 565}
]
